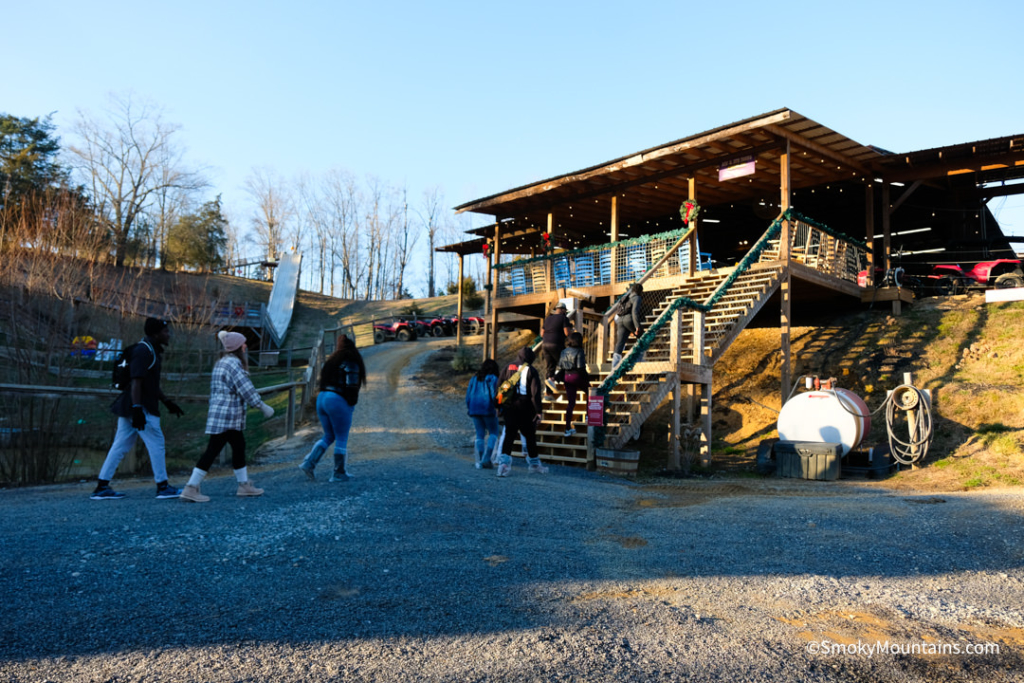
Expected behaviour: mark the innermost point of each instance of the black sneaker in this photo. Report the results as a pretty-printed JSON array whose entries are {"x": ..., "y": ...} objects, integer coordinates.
[
  {"x": 168, "y": 492},
  {"x": 106, "y": 493}
]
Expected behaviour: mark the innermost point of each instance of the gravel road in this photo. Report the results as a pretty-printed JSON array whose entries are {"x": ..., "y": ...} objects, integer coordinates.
[{"x": 422, "y": 568}]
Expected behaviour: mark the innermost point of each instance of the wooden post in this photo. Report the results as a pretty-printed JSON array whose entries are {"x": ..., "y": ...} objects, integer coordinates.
[
  {"x": 785, "y": 287},
  {"x": 458, "y": 325},
  {"x": 675, "y": 430},
  {"x": 549, "y": 266},
  {"x": 491, "y": 342},
  {"x": 698, "y": 338},
  {"x": 911, "y": 423},
  {"x": 869, "y": 230},
  {"x": 692, "y": 265},
  {"x": 705, "y": 414},
  {"x": 674, "y": 427},
  {"x": 615, "y": 238},
  {"x": 290, "y": 416},
  {"x": 886, "y": 227}
]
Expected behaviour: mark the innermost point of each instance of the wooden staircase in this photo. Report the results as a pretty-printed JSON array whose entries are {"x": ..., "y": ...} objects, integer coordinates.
[{"x": 641, "y": 390}]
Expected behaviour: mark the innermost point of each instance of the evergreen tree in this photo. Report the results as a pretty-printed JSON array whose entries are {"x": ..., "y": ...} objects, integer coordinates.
[
  {"x": 28, "y": 159},
  {"x": 199, "y": 239}
]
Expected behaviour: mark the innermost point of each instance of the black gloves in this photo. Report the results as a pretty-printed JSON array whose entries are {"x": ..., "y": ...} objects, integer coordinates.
[
  {"x": 173, "y": 407},
  {"x": 138, "y": 417}
]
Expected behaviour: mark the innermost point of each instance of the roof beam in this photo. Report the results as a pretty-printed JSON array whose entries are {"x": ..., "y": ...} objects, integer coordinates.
[{"x": 802, "y": 142}]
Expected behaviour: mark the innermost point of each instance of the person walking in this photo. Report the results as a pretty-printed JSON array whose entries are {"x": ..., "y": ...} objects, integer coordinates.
[
  {"x": 138, "y": 414},
  {"x": 481, "y": 406},
  {"x": 522, "y": 412},
  {"x": 340, "y": 379},
  {"x": 554, "y": 331},
  {"x": 230, "y": 391},
  {"x": 628, "y": 321},
  {"x": 573, "y": 363}
]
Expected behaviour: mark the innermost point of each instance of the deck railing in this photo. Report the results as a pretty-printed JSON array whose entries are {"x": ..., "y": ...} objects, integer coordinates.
[
  {"x": 822, "y": 248},
  {"x": 619, "y": 262}
]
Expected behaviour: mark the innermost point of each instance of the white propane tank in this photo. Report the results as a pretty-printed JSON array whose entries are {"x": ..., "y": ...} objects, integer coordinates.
[{"x": 825, "y": 416}]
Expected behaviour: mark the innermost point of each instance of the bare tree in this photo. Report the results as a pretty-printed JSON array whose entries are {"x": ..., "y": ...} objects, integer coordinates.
[
  {"x": 343, "y": 202},
  {"x": 125, "y": 161},
  {"x": 273, "y": 210},
  {"x": 433, "y": 206},
  {"x": 408, "y": 235}
]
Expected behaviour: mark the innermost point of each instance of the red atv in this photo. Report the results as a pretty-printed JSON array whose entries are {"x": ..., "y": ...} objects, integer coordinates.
[
  {"x": 1001, "y": 274},
  {"x": 400, "y": 330}
]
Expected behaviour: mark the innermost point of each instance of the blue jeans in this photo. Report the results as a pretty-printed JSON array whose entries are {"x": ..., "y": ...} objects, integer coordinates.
[
  {"x": 486, "y": 425},
  {"x": 336, "y": 418}
]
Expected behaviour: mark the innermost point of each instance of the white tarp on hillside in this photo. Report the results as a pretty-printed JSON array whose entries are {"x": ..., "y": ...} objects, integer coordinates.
[{"x": 282, "y": 296}]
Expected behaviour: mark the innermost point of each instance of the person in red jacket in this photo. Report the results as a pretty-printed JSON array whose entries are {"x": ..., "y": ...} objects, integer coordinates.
[{"x": 522, "y": 412}]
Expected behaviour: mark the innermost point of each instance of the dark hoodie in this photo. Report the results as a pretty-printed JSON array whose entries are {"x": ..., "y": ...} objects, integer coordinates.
[{"x": 533, "y": 386}]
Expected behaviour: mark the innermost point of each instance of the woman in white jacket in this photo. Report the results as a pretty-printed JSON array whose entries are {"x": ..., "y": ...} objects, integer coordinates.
[{"x": 230, "y": 391}]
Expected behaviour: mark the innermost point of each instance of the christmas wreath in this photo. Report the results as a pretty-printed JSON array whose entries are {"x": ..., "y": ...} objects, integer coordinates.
[{"x": 689, "y": 210}]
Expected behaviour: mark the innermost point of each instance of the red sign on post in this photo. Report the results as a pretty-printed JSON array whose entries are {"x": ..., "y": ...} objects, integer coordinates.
[{"x": 595, "y": 411}]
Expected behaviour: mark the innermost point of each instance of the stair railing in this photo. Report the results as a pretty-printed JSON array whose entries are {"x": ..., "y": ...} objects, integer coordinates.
[{"x": 643, "y": 343}]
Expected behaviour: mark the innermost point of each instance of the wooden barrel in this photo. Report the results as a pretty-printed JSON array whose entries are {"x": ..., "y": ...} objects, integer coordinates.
[{"x": 622, "y": 463}]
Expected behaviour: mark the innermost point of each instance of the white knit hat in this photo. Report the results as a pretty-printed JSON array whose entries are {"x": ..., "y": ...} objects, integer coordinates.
[{"x": 232, "y": 341}]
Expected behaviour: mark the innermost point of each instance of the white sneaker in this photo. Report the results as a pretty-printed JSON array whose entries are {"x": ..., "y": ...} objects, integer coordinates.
[
  {"x": 479, "y": 465},
  {"x": 504, "y": 470},
  {"x": 537, "y": 469}
]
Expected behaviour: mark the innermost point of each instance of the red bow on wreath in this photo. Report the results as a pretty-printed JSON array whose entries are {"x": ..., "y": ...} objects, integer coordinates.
[
  {"x": 688, "y": 211},
  {"x": 487, "y": 249},
  {"x": 547, "y": 241}
]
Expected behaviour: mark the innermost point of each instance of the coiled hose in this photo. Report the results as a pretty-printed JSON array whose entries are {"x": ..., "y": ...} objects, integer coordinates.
[{"x": 903, "y": 398}]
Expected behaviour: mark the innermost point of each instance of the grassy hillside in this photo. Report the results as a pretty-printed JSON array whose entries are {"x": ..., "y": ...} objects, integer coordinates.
[{"x": 966, "y": 352}]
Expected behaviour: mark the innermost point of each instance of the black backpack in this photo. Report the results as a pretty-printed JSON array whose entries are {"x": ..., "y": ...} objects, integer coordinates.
[{"x": 121, "y": 378}]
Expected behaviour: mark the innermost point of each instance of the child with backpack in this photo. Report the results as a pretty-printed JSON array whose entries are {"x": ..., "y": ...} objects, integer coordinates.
[
  {"x": 520, "y": 405},
  {"x": 572, "y": 367},
  {"x": 482, "y": 408}
]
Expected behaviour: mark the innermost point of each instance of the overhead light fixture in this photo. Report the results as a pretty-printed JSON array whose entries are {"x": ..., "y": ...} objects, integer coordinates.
[
  {"x": 896, "y": 184},
  {"x": 879, "y": 180},
  {"x": 924, "y": 251},
  {"x": 903, "y": 232},
  {"x": 711, "y": 220}
]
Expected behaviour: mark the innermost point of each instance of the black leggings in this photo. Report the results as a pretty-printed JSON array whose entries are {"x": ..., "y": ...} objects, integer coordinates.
[
  {"x": 233, "y": 437},
  {"x": 519, "y": 419}
]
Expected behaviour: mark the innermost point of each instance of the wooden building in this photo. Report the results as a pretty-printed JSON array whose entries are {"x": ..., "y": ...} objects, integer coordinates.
[{"x": 790, "y": 210}]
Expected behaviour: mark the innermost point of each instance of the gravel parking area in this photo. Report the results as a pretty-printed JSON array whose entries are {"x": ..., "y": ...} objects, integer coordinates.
[{"x": 422, "y": 568}]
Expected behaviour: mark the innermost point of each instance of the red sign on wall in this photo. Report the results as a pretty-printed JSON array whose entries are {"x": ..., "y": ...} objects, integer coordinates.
[{"x": 595, "y": 411}]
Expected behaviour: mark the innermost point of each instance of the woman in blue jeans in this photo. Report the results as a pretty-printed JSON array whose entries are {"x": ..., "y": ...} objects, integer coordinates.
[
  {"x": 342, "y": 375},
  {"x": 482, "y": 408}
]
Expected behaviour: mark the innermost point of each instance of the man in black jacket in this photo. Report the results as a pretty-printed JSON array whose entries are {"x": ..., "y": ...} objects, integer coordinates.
[
  {"x": 138, "y": 414},
  {"x": 522, "y": 413},
  {"x": 628, "y": 321}
]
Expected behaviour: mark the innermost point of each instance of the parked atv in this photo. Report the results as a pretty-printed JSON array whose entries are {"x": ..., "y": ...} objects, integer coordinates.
[
  {"x": 400, "y": 330},
  {"x": 440, "y": 327},
  {"x": 1000, "y": 274}
]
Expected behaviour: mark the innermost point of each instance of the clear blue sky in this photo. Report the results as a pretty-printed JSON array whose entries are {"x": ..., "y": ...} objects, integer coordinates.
[{"x": 480, "y": 97}]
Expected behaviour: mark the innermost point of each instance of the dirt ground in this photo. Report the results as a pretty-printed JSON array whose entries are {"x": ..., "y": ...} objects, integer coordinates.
[{"x": 424, "y": 568}]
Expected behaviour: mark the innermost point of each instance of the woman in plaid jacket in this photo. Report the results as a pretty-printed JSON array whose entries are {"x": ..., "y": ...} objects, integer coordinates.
[{"x": 230, "y": 391}]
